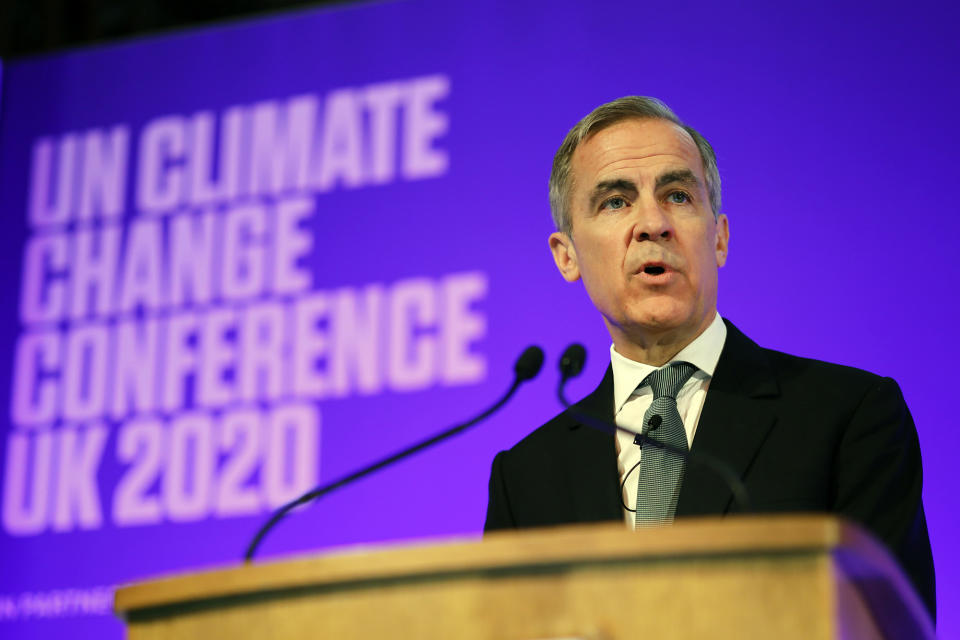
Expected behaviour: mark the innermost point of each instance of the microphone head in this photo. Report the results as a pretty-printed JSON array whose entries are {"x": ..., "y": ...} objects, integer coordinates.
[
  {"x": 529, "y": 363},
  {"x": 572, "y": 360}
]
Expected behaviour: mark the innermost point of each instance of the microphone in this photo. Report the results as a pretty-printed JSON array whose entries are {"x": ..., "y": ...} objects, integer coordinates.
[
  {"x": 575, "y": 354},
  {"x": 652, "y": 425},
  {"x": 527, "y": 367},
  {"x": 571, "y": 365}
]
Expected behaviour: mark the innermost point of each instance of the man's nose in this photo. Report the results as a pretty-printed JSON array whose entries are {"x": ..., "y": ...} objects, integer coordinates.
[{"x": 652, "y": 223}]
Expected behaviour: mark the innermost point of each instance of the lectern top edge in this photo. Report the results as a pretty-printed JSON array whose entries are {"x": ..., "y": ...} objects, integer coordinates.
[{"x": 852, "y": 555}]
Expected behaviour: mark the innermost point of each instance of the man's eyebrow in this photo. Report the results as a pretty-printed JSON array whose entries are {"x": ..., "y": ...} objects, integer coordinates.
[
  {"x": 604, "y": 187},
  {"x": 684, "y": 176}
]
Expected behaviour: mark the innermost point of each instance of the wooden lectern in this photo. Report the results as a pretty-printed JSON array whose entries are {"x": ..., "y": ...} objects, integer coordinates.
[{"x": 749, "y": 577}]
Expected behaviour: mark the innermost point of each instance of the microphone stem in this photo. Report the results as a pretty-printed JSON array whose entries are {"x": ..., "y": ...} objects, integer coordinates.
[
  {"x": 330, "y": 487},
  {"x": 561, "y": 386}
]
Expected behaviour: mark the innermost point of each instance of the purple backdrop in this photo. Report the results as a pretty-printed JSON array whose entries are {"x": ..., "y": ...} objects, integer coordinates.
[{"x": 404, "y": 251}]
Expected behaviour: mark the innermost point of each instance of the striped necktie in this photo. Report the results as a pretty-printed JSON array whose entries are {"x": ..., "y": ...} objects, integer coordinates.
[{"x": 661, "y": 472}]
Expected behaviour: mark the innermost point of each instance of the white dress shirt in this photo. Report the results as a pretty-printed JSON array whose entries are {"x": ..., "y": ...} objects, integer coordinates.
[{"x": 630, "y": 403}]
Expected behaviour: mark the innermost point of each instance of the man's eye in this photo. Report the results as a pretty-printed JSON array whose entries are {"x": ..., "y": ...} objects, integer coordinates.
[
  {"x": 679, "y": 197},
  {"x": 616, "y": 202}
]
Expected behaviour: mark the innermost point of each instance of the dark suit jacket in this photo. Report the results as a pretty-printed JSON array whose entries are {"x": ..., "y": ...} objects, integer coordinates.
[{"x": 804, "y": 435}]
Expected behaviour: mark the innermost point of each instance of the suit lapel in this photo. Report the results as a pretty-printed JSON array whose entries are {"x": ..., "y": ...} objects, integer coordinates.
[
  {"x": 733, "y": 424},
  {"x": 590, "y": 459}
]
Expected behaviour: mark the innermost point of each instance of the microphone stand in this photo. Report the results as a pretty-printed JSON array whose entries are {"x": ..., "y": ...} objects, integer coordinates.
[{"x": 527, "y": 367}]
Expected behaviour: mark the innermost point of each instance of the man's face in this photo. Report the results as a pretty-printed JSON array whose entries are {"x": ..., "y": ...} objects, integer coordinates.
[{"x": 644, "y": 238}]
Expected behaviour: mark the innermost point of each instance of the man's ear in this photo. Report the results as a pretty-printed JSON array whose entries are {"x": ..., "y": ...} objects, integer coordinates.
[
  {"x": 565, "y": 255},
  {"x": 723, "y": 239}
]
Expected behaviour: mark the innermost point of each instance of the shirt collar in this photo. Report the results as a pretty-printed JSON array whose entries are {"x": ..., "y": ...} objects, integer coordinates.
[{"x": 703, "y": 353}]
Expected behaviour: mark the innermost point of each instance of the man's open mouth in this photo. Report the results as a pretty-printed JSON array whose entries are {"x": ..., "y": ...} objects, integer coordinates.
[{"x": 654, "y": 270}]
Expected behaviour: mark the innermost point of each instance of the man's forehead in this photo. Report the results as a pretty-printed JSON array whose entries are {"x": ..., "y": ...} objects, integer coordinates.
[{"x": 636, "y": 143}]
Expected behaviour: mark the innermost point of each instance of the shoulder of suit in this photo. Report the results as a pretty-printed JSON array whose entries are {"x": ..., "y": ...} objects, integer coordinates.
[
  {"x": 812, "y": 374},
  {"x": 788, "y": 368}
]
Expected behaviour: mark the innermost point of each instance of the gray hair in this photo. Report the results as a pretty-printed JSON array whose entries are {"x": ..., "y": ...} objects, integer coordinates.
[{"x": 639, "y": 107}]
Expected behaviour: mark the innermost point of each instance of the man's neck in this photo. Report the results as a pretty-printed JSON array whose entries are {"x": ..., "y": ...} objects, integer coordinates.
[{"x": 656, "y": 349}]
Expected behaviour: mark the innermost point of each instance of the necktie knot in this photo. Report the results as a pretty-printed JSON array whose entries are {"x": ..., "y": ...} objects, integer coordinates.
[{"x": 668, "y": 381}]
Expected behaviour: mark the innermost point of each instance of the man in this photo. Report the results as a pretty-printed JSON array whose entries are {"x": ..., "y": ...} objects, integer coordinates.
[{"x": 635, "y": 197}]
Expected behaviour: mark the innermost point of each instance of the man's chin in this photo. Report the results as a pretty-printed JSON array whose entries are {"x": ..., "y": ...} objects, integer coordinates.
[
  {"x": 661, "y": 317},
  {"x": 670, "y": 323}
]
